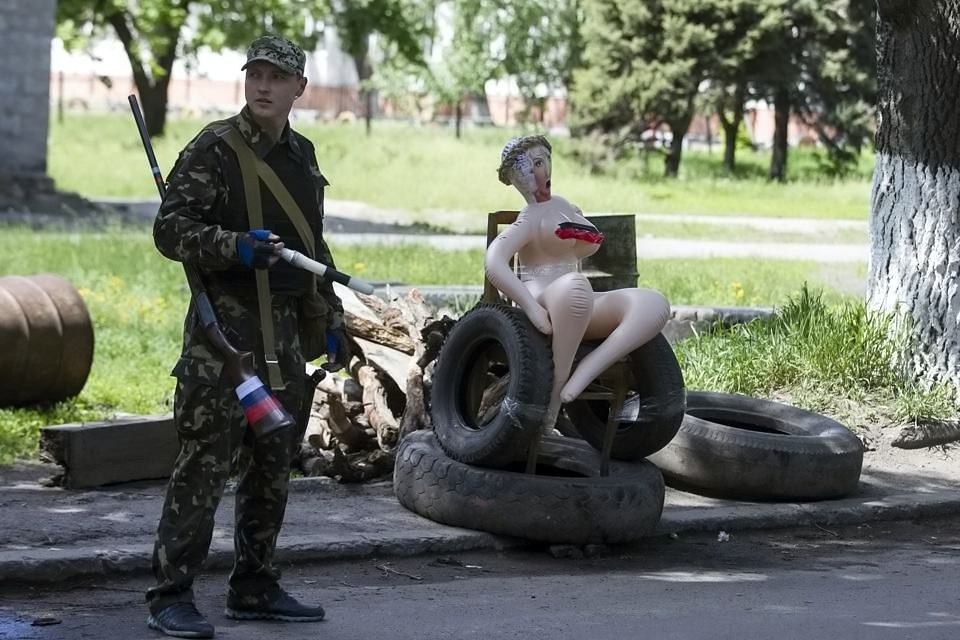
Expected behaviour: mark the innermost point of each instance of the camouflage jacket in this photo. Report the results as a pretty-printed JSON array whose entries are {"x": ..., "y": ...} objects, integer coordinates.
[{"x": 204, "y": 211}]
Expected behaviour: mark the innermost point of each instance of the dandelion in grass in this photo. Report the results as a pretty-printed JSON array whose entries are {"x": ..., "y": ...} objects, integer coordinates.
[
  {"x": 736, "y": 289},
  {"x": 358, "y": 267},
  {"x": 114, "y": 284}
]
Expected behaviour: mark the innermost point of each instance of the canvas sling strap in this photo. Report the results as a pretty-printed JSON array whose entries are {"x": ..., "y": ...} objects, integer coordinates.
[{"x": 252, "y": 170}]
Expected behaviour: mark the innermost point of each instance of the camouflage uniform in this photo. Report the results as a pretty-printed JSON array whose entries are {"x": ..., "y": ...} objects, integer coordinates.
[{"x": 198, "y": 222}]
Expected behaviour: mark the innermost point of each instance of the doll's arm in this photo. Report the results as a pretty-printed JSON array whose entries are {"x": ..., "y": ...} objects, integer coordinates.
[{"x": 497, "y": 266}]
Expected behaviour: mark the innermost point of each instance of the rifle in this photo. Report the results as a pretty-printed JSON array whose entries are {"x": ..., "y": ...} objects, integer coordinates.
[
  {"x": 264, "y": 412},
  {"x": 301, "y": 261}
]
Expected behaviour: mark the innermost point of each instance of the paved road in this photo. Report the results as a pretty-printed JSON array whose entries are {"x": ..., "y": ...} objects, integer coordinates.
[
  {"x": 883, "y": 580},
  {"x": 650, "y": 248},
  {"x": 359, "y": 223},
  {"x": 458, "y": 220},
  {"x": 346, "y": 217}
]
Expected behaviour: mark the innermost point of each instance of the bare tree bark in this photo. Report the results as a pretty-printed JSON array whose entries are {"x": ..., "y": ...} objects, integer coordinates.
[
  {"x": 678, "y": 128},
  {"x": 781, "y": 119},
  {"x": 458, "y": 114},
  {"x": 915, "y": 202},
  {"x": 152, "y": 87},
  {"x": 731, "y": 126},
  {"x": 361, "y": 59}
]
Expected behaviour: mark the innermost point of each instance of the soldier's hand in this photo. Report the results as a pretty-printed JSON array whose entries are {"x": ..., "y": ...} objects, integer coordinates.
[
  {"x": 338, "y": 350},
  {"x": 259, "y": 248}
]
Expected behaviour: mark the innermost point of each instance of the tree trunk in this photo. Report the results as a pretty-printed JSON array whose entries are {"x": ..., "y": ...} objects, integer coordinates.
[
  {"x": 364, "y": 72},
  {"x": 152, "y": 87},
  {"x": 915, "y": 202},
  {"x": 731, "y": 128},
  {"x": 154, "y": 102},
  {"x": 781, "y": 119},
  {"x": 459, "y": 115},
  {"x": 368, "y": 110},
  {"x": 679, "y": 129}
]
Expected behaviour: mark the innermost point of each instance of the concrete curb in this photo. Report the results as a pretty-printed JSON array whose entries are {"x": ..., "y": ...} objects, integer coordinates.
[
  {"x": 39, "y": 565},
  {"x": 904, "y": 506},
  {"x": 57, "y": 564}
]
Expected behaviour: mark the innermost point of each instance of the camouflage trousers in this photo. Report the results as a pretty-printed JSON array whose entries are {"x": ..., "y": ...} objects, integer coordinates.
[{"x": 214, "y": 440}]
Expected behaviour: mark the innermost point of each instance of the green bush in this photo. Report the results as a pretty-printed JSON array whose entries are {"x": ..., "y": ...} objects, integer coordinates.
[{"x": 818, "y": 355}]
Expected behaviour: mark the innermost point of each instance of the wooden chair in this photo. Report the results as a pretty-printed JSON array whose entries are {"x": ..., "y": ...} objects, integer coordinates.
[{"x": 610, "y": 386}]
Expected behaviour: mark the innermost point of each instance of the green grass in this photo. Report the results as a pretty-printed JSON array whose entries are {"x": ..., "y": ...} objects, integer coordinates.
[
  {"x": 136, "y": 299},
  {"x": 428, "y": 171},
  {"x": 832, "y": 358},
  {"x": 732, "y": 282}
]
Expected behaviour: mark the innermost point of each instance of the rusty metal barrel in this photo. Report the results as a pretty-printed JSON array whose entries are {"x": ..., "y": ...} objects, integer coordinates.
[
  {"x": 46, "y": 340},
  {"x": 614, "y": 265}
]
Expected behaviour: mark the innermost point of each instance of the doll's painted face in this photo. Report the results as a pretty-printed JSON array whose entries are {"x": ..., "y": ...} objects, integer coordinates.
[
  {"x": 531, "y": 174},
  {"x": 542, "y": 169}
]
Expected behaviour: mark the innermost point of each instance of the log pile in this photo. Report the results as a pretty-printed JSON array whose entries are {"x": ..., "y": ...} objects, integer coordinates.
[{"x": 359, "y": 416}]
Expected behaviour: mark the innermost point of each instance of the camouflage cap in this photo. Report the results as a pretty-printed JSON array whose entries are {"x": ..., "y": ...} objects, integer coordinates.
[{"x": 277, "y": 51}]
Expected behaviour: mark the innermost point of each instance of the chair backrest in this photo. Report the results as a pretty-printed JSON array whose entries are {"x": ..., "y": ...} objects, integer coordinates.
[
  {"x": 613, "y": 266},
  {"x": 494, "y": 221}
]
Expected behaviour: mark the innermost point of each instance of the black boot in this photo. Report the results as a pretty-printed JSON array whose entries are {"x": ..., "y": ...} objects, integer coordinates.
[
  {"x": 181, "y": 620},
  {"x": 281, "y": 606}
]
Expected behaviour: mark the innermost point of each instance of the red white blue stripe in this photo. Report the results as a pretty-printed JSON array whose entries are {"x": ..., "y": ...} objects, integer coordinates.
[{"x": 256, "y": 400}]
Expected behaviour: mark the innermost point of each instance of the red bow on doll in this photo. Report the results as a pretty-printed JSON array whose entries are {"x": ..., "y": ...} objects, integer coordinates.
[{"x": 567, "y": 230}]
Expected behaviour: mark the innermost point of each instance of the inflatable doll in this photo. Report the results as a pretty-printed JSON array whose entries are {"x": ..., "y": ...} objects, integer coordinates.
[{"x": 550, "y": 238}]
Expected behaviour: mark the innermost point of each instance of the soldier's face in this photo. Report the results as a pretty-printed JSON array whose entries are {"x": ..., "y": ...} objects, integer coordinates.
[{"x": 271, "y": 91}]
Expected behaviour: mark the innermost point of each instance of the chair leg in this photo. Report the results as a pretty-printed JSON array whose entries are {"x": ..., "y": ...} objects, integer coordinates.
[
  {"x": 532, "y": 454},
  {"x": 619, "y": 396}
]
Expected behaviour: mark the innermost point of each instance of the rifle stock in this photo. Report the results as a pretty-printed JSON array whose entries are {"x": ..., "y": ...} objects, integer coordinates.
[{"x": 264, "y": 412}]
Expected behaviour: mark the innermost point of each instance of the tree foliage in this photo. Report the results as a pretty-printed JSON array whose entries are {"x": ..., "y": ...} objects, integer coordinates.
[
  {"x": 152, "y": 31},
  {"x": 536, "y": 43},
  {"x": 818, "y": 62},
  {"x": 403, "y": 26},
  {"x": 465, "y": 62},
  {"x": 646, "y": 60},
  {"x": 644, "y": 63},
  {"x": 542, "y": 45},
  {"x": 839, "y": 81}
]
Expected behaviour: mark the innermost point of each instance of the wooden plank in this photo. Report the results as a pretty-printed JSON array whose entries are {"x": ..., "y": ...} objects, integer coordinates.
[
  {"x": 99, "y": 453},
  {"x": 392, "y": 362},
  {"x": 494, "y": 221},
  {"x": 353, "y": 304}
]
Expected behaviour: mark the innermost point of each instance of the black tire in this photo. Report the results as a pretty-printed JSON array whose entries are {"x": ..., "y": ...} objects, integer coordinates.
[
  {"x": 572, "y": 505},
  {"x": 489, "y": 345},
  {"x": 653, "y": 411},
  {"x": 740, "y": 447}
]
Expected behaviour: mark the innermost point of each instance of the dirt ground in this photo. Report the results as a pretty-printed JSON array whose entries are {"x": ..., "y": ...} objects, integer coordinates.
[{"x": 939, "y": 465}]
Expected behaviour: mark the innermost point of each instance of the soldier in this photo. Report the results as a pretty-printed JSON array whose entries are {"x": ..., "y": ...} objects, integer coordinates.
[{"x": 203, "y": 220}]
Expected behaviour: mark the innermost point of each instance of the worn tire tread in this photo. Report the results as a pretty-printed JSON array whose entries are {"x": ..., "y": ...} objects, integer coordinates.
[{"x": 574, "y": 510}]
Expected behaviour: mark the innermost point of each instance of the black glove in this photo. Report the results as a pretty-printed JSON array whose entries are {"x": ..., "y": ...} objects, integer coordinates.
[
  {"x": 256, "y": 250},
  {"x": 338, "y": 350}
]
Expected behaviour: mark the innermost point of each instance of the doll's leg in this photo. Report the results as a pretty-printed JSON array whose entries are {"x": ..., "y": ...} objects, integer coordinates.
[
  {"x": 569, "y": 301},
  {"x": 629, "y": 318}
]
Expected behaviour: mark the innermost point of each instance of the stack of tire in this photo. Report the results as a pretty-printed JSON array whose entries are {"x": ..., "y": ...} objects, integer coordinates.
[
  {"x": 490, "y": 387},
  {"x": 487, "y": 404}
]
